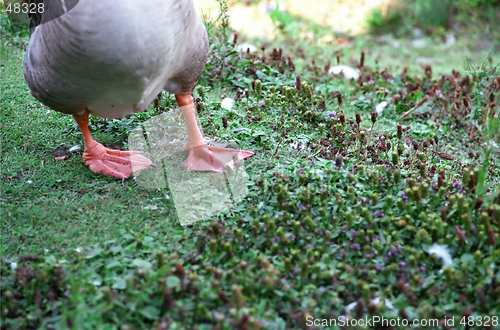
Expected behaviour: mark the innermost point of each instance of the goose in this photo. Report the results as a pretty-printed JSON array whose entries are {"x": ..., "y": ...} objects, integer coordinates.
[{"x": 110, "y": 59}]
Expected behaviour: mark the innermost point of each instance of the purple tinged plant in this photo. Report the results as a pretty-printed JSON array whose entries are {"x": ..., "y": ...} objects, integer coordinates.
[{"x": 355, "y": 246}]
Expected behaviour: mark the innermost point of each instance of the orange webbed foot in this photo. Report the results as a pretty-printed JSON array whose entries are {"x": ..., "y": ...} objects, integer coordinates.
[
  {"x": 116, "y": 163},
  {"x": 213, "y": 159}
]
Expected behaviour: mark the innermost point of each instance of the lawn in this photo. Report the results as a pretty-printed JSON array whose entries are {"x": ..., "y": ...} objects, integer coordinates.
[{"x": 372, "y": 196}]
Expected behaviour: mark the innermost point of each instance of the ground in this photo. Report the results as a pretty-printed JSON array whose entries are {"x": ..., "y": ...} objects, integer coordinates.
[{"x": 395, "y": 209}]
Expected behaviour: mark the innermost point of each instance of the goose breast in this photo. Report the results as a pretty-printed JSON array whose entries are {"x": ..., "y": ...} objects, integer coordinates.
[{"x": 113, "y": 57}]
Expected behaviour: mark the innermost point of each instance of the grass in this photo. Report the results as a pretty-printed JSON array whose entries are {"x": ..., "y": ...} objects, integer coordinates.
[
  {"x": 49, "y": 197},
  {"x": 333, "y": 215}
]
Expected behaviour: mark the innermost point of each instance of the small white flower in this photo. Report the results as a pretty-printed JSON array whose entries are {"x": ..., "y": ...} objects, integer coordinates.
[
  {"x": 266, "y": 7},
  {"x": 13, "y": 265},
  {"x": 29, "y": 181},
  {"x": 493, "y": 144},
  {"x": 442, "y": 252},
  {"x": 297, "y": 147},
  {"x": 380, "y": 107},
  {"x": 78, "y": 250},
  {"x": 418, "y": 32},
  {"x": 150, "y": 207},
  {"x": 242, "y": 48},
  {"x": 388, "y": 303},
  {"x": 419, "y": 43},
  {"x": 227, "y": 103},
  {"x": 374, "y": 301},
  {"x": 349, "y": 72},
  {"x": 350, "y": 307},
  {"x": 74, "y": 148},
  {"x": 450, "y": 39}
]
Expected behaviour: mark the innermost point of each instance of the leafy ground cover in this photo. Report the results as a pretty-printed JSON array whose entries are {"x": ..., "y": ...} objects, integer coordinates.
[{"x": 354, "y": 208}]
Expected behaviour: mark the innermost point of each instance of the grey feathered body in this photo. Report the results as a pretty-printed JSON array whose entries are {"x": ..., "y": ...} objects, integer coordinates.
[{"x": 113, "y": 57}]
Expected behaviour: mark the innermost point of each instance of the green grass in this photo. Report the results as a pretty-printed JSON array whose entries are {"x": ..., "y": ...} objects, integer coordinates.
[
  {"x": 323, "y": 225},
  {"x": 54, "y": 205}
]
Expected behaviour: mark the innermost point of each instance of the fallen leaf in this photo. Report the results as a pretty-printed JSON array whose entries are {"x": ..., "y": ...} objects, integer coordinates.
[
  {"x": 445, "y": 156},
  {"x": 60, "y": 154}
]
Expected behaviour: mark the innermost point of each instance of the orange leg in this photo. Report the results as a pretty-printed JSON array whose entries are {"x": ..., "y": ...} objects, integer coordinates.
[
  {"x": 203, "y": 157},
  {"x": 110, "y": 162}
]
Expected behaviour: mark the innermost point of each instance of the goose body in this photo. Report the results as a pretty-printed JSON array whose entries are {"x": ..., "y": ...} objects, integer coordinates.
[{"x": 111, "y": 58}]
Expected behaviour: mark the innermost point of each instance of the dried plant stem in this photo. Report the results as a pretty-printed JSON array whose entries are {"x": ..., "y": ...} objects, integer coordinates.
[
  {"x": 317, "y": 152},
  {"x": 275, "y": 151},
  {"x": 443, "y": 155},
  {"x": 357, "y": 138},
  {"x": 419, "y": 104},
  {"x": 369, "y": 137}
]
